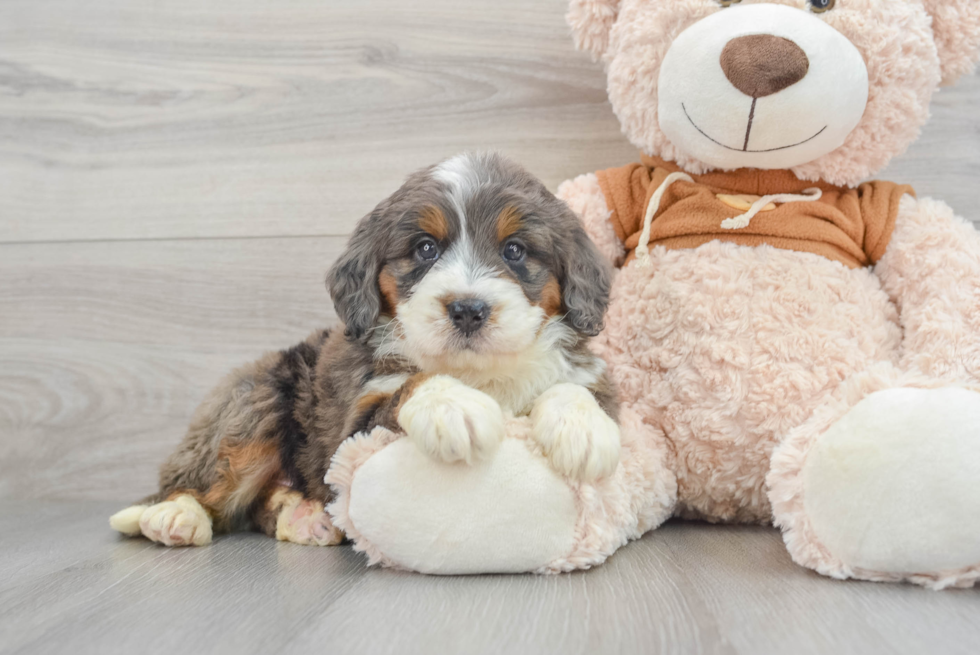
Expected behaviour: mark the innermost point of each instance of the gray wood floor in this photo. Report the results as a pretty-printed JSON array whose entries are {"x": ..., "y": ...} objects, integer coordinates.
[{"x": 175, "y": 179}]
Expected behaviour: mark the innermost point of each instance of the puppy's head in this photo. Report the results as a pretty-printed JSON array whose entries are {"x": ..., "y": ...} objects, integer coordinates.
[{"x": 470, "y": 260}]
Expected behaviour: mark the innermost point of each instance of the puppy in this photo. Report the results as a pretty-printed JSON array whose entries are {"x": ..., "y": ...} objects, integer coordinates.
[{"x": 467, "y": 296}]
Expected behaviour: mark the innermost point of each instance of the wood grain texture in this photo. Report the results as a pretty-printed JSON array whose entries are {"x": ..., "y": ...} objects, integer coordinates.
[
  {"x": 175, "y": 179},
  {"x": 127, "y": 120},
  {"x": 230, "y": 118},
  {"x": 687, "y": 588},
  {"x": 107, "y": 347}
]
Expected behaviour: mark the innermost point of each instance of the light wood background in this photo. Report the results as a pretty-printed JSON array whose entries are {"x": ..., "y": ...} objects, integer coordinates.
[{"x": 175, "y": 179}]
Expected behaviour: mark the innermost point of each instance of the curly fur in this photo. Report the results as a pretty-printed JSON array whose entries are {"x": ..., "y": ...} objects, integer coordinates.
[
  {"x": 731, "y": 361},
  {"x": 905, "y": 66},
  {"x": 786, "y": 485}
]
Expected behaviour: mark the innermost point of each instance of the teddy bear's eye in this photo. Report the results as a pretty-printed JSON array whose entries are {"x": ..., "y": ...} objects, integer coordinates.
[
  {"x": 726, "y": 3},
  {"x": 820, "y": 6}
]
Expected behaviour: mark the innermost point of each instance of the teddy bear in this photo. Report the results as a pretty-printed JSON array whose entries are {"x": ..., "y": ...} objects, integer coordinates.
[{"x": 792, "y": 344}]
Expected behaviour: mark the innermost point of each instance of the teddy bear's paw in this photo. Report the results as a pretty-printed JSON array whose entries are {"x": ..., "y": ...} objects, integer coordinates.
[
  {"x": 303, "y": 521},
  {"x": 178, "y": 522},
  {"x": 579, "y": 438},
  {"x": 450, "y": 421},
  {"x": 891, "y": 485}
]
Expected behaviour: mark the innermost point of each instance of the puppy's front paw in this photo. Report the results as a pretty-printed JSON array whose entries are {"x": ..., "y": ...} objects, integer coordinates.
[
  {"x": 178, "y": 522},
  {"x": 578, "y": 437},
  {"x": 450, "y": 421}
]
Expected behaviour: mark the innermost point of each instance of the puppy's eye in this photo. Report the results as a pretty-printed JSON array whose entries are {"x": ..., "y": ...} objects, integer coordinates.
[
  {"x": 820, "y": 6},
  {"x": 427, "y": 250},
  {"x": 728, "y": 3},
  {"x": 514, "y": 252}
]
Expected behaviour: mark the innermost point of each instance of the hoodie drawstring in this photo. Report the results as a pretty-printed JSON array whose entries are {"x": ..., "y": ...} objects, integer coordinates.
[
  {"x": 643, "y": 247},
  {"x": 737, "y": 223}
]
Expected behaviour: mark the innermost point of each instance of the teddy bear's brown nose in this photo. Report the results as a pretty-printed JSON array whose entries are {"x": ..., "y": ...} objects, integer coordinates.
[{"x": 760, "y": 65}]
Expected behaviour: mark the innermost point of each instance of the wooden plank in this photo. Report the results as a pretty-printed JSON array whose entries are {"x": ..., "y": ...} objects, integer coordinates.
[
  {"x": 107, "y": 348},
  {"x": 765, "y": 603},
  {"x": 688, "y": 588},
  {"x": 245, "y": 118},
  {"x": 205, "y": 294},
  {"x": 232, "y": 118}
]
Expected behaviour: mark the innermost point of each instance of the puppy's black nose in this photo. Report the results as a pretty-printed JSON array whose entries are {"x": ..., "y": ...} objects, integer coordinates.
[{"x": 468, "y": 315}]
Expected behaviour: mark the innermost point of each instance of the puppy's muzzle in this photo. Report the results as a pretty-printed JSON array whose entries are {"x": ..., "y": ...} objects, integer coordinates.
[{"x": 468, "y": 315}]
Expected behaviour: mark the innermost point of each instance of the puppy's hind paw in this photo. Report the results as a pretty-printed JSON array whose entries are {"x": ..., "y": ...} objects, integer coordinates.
[
  {"x": 303, "y": 521},
  {"x": 450, "y": 421},
  {"x": 178, "y": 522},
  {"x": 578, "y": 437}
]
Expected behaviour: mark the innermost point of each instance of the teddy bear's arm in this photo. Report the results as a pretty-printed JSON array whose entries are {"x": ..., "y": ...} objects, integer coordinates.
[
  {"x": 584, "y": 195},
  {"x": 931, "y": 270}
]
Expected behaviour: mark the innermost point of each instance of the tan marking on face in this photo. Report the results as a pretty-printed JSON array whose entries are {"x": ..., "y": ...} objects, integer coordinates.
[
  {"x": 550, "y": 300},
  {"x": 433, "y": 221},
  {"x": 508, "y": 222},
  {"x": 389, "y": 290}
]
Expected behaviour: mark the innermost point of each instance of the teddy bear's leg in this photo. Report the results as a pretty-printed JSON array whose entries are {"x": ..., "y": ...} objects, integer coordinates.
[
  {"x": 881, "y": 483},
  {"x": 510, "y": 512}
]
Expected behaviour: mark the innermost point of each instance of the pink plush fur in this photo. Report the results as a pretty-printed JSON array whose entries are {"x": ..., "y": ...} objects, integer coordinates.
[
  {"x": 931, "y": 271},
  {"x": 956, "y": 26},
  {"x": 739, "y": 352},
  {"x": 591, "y": 21},
  {"x": 638, "y": 497},
  {"x": 733, "y": 361},
  {"x": 349, "y": 457},
  {"x": 727, "y": 348},
  {"x": 786, "y": 487},
  {"x": 899, "y": 50}
]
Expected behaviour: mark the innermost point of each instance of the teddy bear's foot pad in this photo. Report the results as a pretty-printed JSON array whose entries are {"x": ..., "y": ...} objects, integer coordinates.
[
  {"x": 510, "y": 513},
  {"x": 891, "y": 486}
]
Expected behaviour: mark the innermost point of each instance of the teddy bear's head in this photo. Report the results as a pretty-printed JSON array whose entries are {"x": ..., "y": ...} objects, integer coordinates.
[{"x": 832, "y": 89}]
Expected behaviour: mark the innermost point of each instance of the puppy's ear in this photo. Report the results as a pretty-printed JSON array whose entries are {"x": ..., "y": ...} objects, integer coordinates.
[
  {"x": 353, "y": 280},
  {"x": 585, "y": 287}
]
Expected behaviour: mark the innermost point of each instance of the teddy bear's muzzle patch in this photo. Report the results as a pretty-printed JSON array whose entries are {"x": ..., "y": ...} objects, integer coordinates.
[{"x": 760, "y": 86}]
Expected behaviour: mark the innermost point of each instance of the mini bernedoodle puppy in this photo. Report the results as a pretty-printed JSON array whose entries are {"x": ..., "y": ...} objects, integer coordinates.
[{"x": 466, "y": 296}]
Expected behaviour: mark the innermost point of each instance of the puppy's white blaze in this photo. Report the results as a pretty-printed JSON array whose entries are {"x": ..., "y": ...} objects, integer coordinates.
[
  {"x": 460, "y": 175},
  {"x": 452, "y": 422},
  {"x": 579, "y": 438}
]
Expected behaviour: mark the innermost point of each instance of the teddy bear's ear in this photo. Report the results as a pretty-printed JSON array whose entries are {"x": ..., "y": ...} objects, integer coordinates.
[
  {"x": 956, "y": 26},
  {"x": 591, "y": 21}
]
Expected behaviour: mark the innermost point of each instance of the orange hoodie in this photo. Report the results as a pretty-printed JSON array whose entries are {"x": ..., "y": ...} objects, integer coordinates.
[{"x": 852, "y": 226}]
